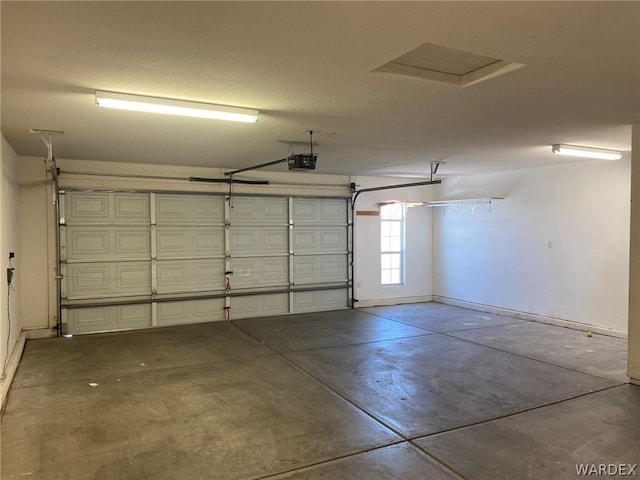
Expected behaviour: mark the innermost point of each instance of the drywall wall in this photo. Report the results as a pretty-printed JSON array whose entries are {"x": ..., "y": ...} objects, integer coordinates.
[
  {"x": 11, "y": 314},
  {"x": 123, "y": 176},
  {"x": 418, "y": 265},
  {"x": 37, "y": 242},
  {"x": 634, "y": 274},
  {"x": 557, "y": 246}
]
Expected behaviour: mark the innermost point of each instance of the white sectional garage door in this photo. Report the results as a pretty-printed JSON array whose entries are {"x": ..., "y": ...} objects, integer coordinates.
[{"x": 140, "y": 260}]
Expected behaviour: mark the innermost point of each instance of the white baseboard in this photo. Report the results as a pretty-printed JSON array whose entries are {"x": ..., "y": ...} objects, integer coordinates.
[
  {"x": 12, "y": 366},
  {"x": 560, "y": 322},
  {"x": 393, "y": 301},
  {"x": 39, "y": 333}
]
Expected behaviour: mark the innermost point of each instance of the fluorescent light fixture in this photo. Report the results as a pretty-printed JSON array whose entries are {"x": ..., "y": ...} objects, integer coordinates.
[
  {"x": 167, "y": 106},
  {"x": 586, "y": 152}
]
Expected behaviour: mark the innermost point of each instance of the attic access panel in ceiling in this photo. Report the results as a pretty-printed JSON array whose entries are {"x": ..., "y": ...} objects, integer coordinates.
[{"x": 449, "y": 65}]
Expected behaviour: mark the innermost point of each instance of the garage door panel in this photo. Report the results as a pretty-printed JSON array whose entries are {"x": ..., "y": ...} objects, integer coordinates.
[
  {"x": 316, "y": 211},
  {"x": 106, "y": 243},
  {"x": 116, "y": 317},
  {"x": 181, "y": 242},
  {"x": 132, "y": 207},
  {"x": 259, "y": 305},
  {"x": 259, "y": 241},
  {"x": 99, "y": 280},
  {"x": 106, "y": 208},
  {"x": 132, "y": 243},
  {"x": 319, "y": 269},
  {"x": 259, "y": 210},
  {"x": 319, "y": 300},
  {"x": 329, "y": 239},
  {"x": 87, "y": 208},
  {"x": 116, "y": 246},
  {"x": 259, "y": 272},
  {"x": 190, "y": 311},
  {"x": 189, "y": 209},
  {"x": 180, "y": 276}
]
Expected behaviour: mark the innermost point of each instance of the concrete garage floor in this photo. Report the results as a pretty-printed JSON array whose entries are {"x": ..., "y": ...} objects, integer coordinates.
[{"x": 416, "y": 392}]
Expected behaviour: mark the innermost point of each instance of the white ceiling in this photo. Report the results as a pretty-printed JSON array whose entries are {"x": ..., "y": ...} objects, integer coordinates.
[{"x": 308, "y": 66}]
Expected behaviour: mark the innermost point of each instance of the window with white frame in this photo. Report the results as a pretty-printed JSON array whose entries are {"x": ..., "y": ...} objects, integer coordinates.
[{"x": 392, "y": 244}]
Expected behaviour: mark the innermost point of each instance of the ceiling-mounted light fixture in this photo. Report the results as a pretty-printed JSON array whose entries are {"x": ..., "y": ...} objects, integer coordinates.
[
  {"x": 168, "y": 106},
  {"x": 586, "y": 152}
]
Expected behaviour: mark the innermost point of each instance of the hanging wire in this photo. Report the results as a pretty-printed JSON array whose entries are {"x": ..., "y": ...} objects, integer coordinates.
[{"x": 10, "y": 288}]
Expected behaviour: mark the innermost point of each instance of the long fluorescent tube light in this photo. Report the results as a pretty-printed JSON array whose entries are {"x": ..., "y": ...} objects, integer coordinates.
[
  {"x": 167, "y": 106},
  {"x": 586, "y": 152}
]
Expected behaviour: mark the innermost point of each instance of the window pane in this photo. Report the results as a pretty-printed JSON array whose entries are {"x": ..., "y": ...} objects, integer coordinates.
[
  {"x": 391, "y": 240},
  {"x": 391, "y": 211}
]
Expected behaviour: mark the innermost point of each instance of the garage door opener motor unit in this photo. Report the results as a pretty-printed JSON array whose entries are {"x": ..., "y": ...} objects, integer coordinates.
[{"x": 303, "y": 161}]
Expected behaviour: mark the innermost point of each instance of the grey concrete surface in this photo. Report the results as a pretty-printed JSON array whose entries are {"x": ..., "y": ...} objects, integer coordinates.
[
  {"x": 402, "y": 461},
  {"x": 325, "y": 329},
  {"x": 439, "y": 317},
  {"x": 337, "y": 395},
  {"x": 110, "y": 355},
  {"x": 228, "y": 419},
  {"x": 598, "y": 355},
  {"x": 548, "y": 443},
  {"x": 428, "y": 384}
]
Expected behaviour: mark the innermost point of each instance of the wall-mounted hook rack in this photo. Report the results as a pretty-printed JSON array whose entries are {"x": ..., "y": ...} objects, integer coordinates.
[{"x": 470, "y": 203}]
